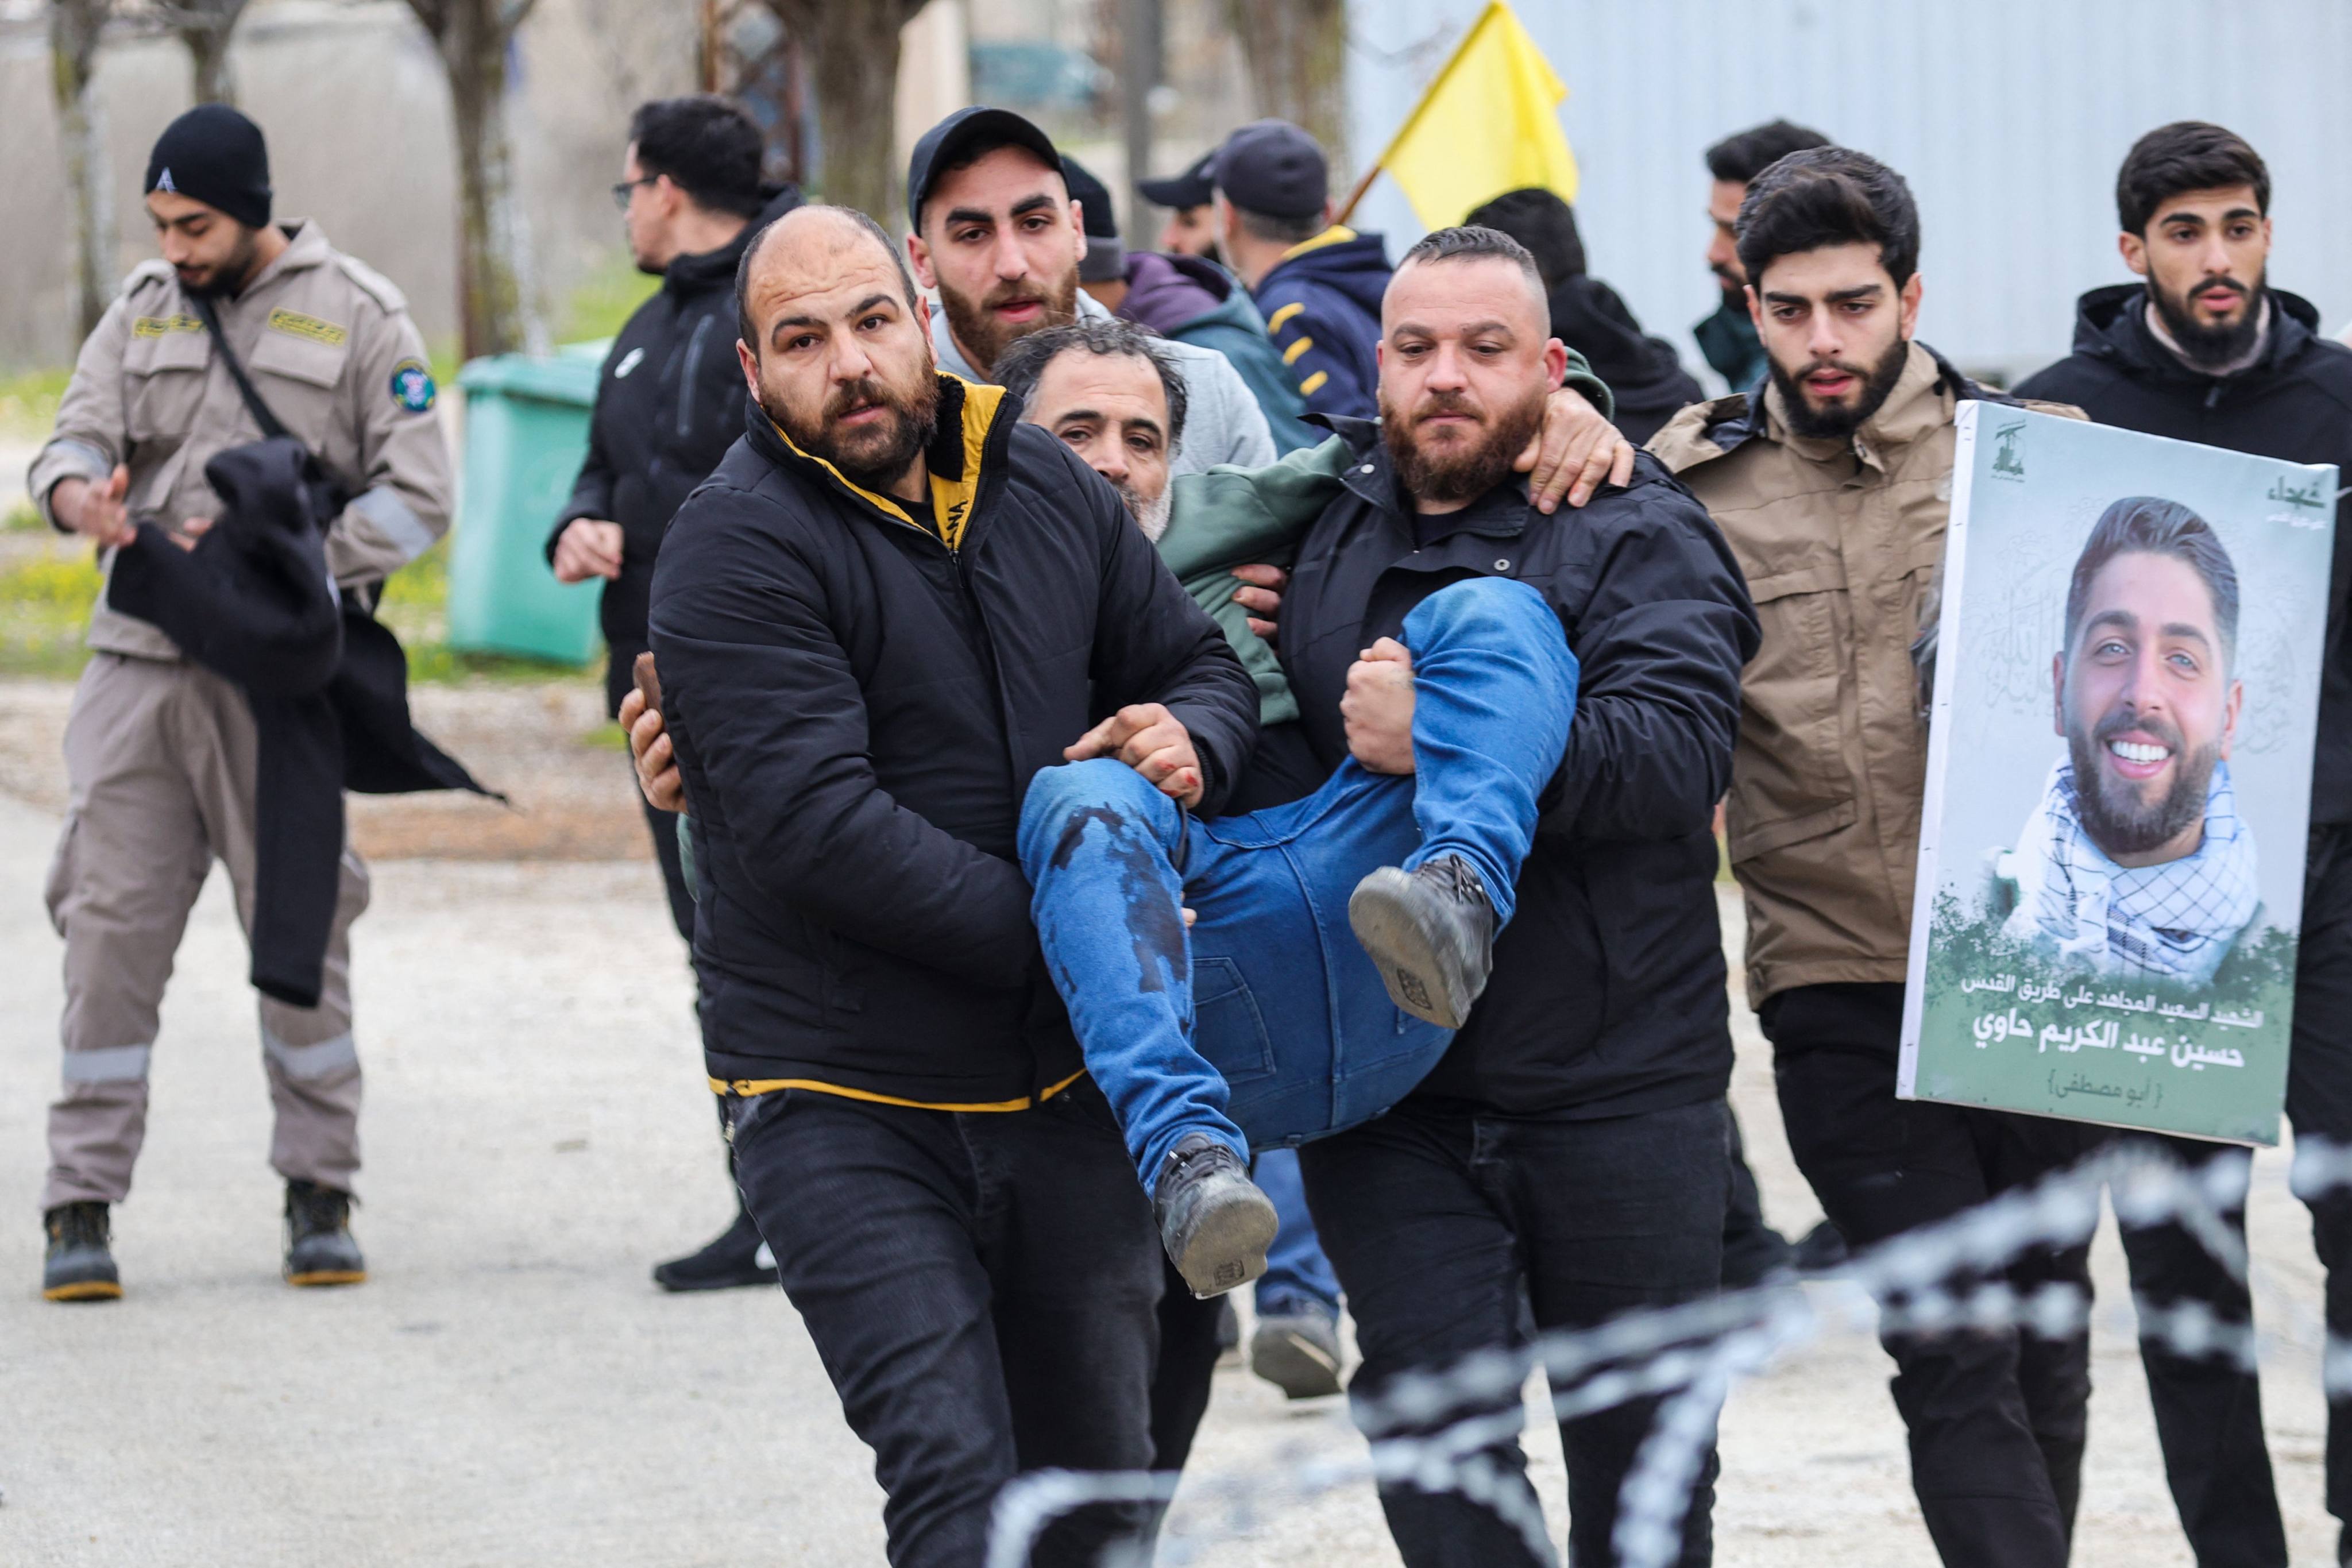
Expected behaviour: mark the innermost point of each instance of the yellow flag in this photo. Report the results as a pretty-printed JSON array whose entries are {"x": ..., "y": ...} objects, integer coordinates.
[{"x": 1487, "y": 124}]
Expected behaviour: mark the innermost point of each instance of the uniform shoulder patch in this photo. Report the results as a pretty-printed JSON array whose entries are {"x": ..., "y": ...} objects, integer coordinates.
[
  {"x": 159, "y": 326},
  {"x": 412, "y": 386},
  {"x": 297, "y": 324}
]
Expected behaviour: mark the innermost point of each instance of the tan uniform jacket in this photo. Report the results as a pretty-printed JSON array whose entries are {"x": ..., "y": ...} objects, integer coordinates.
[
  {"x": 330, "y": 349},
  {"x": 1843, "y": 543}
]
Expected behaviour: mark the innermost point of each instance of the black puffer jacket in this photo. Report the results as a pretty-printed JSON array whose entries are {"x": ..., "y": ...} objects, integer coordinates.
[
  {"x": 2295, "y": 402},
  {"x": 669, "y": 402},
  {"x": 858, "y": 709},
  {"x": 1608, "y": 992}
]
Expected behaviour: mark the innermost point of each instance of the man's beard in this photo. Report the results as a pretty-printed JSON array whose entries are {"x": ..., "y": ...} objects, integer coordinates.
[
  {"x": 2125, "y": 826},
  {"x": 2211, "y": 346},
  {"x": 1459, "y": 471},
  {"x": 875, "y": 456},
  {"x": 1837, "y": 423},
  {"x": 985, "y": 335},
  {"x": 1735, "y": 289},
  {"x": 235, "y": 272},
  {"x": 1151, "y": 516}
]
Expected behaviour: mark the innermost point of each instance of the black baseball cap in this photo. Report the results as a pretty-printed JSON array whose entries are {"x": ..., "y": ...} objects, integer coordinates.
[
  {"x": 1104, "y": 259},
  {"x": 1271, "y": 166},
  {"x": 1190, "y": 189},
  {"x": 948, "y": 146}
]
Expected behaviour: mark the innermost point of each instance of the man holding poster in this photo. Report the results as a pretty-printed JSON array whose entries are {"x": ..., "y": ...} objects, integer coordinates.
[
  {"x": 1834, "y": 485},
  {"x": 2204, "y": 350}
]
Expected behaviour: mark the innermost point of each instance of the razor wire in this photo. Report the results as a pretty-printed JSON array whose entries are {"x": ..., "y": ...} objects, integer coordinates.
[{"x": 1434, "y": 1429}]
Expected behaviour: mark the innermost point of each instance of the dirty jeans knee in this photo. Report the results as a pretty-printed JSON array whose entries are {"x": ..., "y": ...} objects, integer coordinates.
[{"x": 1100, "y": 848}]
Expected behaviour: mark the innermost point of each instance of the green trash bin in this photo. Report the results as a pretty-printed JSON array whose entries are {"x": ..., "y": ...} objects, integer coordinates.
[{"x": 526, "y": 433}]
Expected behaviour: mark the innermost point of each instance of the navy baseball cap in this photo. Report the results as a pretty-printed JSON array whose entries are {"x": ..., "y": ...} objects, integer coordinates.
[
  {"x": 950, "y": 143},
  {"x": 1271, "y": 166},
  {"x": 1190, "y": 189}
]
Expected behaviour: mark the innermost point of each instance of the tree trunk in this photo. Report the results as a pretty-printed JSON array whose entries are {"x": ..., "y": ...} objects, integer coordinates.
[
  {"x": 853, "y": 59},
  {"x": 74, "y": 29},
  {"x": 1297, "y": 55},
  {"x": 205, "y": 26},
  {"x": 499, "y": 313}
]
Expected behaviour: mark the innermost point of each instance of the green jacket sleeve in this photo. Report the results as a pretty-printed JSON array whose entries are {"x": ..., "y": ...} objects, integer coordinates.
[{"x": 1231, "y": 517}]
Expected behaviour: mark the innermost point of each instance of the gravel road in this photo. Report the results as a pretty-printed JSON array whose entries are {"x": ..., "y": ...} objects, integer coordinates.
[{"x": 509, "y": 1388}]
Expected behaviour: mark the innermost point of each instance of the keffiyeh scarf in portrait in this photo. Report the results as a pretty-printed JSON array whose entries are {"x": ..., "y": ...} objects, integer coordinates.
[{"x": 2173, "y": 922}]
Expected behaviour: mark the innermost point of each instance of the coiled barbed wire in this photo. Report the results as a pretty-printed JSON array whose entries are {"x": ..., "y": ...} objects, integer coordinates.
[{"x": 1433, "y": 1430}]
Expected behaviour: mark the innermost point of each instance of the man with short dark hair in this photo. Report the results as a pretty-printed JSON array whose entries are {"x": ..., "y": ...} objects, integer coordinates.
[
  {"x": 1317, "y": 281},
  {"x": 669, "y": 402},
  {"x": 1567, "y": 1147},
  {"x": 2204, "y": 349},
  {"x": 2135, "y": 862},
  {"x": 886, "y": 610},
  {"x": 1727, "y": 338},
  {"x": 161, "y": 752},
  {"x": 1832, "y": 481}
]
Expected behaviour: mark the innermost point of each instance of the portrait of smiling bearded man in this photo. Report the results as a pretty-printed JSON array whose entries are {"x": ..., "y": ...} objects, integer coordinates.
[{"x": 2135, "y": 861}]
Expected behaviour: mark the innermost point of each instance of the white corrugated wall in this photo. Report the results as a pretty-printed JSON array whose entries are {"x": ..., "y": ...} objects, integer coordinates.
[{"x": 2008, "y": 117}]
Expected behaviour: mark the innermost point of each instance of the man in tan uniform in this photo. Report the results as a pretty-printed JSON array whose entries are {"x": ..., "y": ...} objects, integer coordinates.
[
  {"x": 161, "y": 753},
  {"x": 1834, "y": 487}
]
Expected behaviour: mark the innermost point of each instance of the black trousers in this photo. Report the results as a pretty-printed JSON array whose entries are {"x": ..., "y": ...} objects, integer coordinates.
[
  {"x": 1440, "y": 1225},
  {"x": 984, "y": 1291},
  {"x": 1996, "y": 1420},
  {"x": 2209, "y": 1413}
]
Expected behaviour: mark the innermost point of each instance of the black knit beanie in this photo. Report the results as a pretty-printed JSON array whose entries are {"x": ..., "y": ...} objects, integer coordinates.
[{"x": 215, "y": 156}]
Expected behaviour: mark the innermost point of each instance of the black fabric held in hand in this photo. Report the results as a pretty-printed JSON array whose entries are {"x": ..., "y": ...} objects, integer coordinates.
[{"x": 328, "y": 687}]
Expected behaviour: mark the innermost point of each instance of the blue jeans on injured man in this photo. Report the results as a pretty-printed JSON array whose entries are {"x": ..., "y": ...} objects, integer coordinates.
[{"x": 1266, "y": 1024}]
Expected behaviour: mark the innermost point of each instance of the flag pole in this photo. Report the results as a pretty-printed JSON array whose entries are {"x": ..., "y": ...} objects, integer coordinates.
[{"x": 1461, "y": 48}]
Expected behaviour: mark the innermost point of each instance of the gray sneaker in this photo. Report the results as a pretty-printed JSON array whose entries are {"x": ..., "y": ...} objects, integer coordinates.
[
  {"x": 319, "y": 1245},
  {"x": 1213, "y": 1221},
  {"x": 1298, "y": 1352},
  {"x": 79, "y": 1266},
  {"x": 1431, "y": 933}
]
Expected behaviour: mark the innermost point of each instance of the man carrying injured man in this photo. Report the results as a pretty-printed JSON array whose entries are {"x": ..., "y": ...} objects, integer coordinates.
[{"x": 1272, "y": 888}]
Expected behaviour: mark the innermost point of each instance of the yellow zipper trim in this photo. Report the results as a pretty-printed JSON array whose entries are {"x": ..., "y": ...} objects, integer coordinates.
[
  {"x": 752, "y": 1086},
  {"x": 1337, "y": 234}
]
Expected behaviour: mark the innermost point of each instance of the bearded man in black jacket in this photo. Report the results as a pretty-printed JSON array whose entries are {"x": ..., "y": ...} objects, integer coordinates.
[
  {"x": 2204, "y": 350},
  {"x": 669, "y": 402},
  {"x": 885, "y": 612}
]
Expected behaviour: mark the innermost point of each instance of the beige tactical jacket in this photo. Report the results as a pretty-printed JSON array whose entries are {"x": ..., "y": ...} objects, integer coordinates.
[
  {"x": 330, "y": 349},
  {"x": 1843, "y": 543}
]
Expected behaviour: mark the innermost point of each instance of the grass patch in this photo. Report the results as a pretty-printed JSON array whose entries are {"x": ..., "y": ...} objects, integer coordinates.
[
  {"x": 28, "y": 403},
  {"x": 20, "y": 518},
  {"x": 44, "y": 604}
]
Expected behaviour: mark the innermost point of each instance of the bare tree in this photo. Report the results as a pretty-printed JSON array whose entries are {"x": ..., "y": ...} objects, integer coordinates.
[
  {"x": 203, "y": 25},
  {"x": 74, "y": 29},
  {"x": 853, "y": 61},
  {"x": 496, "y": 306},
  {"x": 1297, "y": 55}
]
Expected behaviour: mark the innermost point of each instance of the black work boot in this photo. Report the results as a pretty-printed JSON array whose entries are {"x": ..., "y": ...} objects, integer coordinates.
[
  {"x": 733, "y": 1259},
  {"x": 1213, "y": 1221},
  {"x": 319, "y": 1245},
  {"x": 79, "y": 1266},
  {"x": 1298, "y": 1349},
  {"x": 1431, "y": 933}
]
